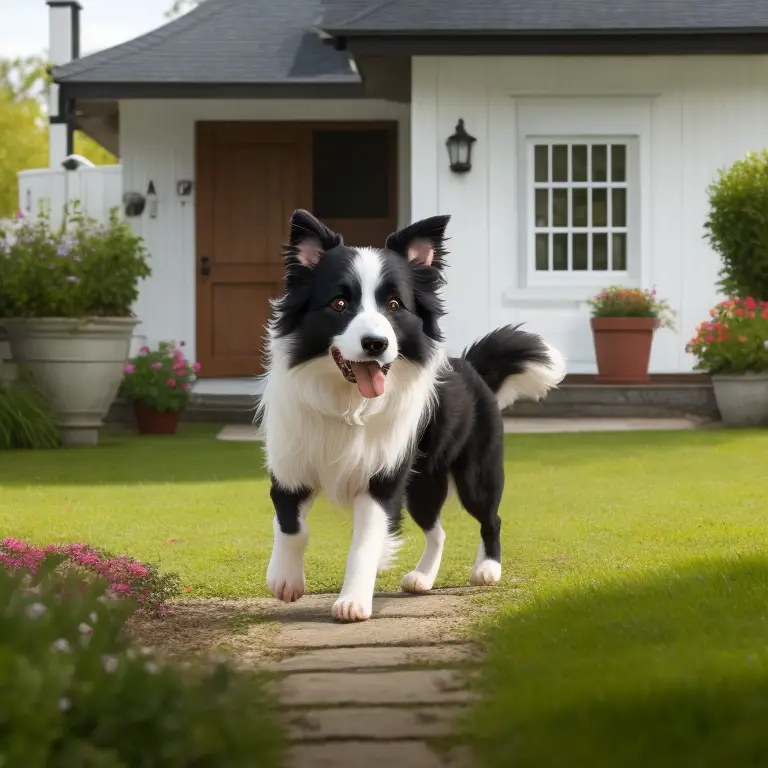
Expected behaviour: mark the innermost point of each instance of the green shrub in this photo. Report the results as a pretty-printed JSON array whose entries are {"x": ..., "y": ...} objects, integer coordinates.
[
  {"x": 75, "y": 693},
  {"x": 81, "y": 269},
  {"x": 737, "y": 226},
  {"x": 26, "y": 419}
]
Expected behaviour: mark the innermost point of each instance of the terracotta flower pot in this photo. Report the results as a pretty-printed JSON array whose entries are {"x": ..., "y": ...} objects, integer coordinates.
[
  {"x": 152, "y": 422},
  {"x": 623, "y": 348}
]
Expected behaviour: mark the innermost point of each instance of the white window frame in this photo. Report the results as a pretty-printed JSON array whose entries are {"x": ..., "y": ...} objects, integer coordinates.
[
  {"x": 589, "y": 276},
  {"x": 580, "y": 120}
]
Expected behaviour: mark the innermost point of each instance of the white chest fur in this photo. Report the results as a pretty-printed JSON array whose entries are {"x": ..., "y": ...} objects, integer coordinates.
[{"x": 309, "y": 444}]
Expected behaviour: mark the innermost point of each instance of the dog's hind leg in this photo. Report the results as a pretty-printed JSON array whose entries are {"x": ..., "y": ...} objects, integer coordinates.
[
  {"x": 480, "y": 484},
  {"x": 285, "y": 573},
  {"x": 425, "y": 498}
]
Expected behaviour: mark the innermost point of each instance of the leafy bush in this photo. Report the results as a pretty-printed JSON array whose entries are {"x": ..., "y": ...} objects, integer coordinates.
[
  {"x": 734, "y": 340},
  {"x": 160, "y": 379},
  {"x": 26, "y": 419},
  {"x": 617, "y": 301},
  {"x": 75, "y": 692},
  {"x": 737, "y": 226},
  {"x": 125, "y": 576},
  {"x": 82, "y": 269}
]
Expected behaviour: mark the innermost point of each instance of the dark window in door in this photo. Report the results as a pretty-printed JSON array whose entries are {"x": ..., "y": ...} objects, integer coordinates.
[{"x": 351, "y": 173}]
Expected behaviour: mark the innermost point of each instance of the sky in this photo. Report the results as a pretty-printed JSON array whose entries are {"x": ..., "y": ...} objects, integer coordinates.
[{"x": 104, "y": 23}]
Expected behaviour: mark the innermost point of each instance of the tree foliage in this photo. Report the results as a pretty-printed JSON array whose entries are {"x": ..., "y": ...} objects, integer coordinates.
[{"x": 24, "y": 129}]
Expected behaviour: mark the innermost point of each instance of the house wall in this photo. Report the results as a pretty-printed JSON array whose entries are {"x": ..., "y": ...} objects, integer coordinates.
[
  {"x": 157, "y": 143},
  {"x": 689, "y": 116}
]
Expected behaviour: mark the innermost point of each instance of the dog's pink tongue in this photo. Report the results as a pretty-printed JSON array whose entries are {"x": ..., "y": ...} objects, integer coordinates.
[{"x": 370, "y": 379}]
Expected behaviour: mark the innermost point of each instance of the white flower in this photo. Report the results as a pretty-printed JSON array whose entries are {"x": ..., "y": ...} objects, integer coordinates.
[
  {"x": 64, "y": 704},
  {"x": 36, "y": 610},
  {"x": 85, "y": 629},
  {"x": 109, "y": 663},
  {"x": 61, "y": 645},
  {"x": 93, "y": 617},
  {"x": 151, "y": 667}
]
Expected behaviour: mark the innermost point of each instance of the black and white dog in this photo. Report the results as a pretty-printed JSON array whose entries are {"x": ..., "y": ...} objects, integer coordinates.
[{"x": 362, "y": 403}]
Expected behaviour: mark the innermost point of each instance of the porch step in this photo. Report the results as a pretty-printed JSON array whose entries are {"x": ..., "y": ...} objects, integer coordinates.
[{"x": 663, "y": 398}]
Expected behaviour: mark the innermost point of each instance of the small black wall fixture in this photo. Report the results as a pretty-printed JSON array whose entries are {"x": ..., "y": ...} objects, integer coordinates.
[
  {"x": 460, "y": 148},
  {"x": 152, "y": 200}
]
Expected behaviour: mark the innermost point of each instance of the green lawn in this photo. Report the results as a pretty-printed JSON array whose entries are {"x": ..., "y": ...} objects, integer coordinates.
[{"x": 633, "y": 614}]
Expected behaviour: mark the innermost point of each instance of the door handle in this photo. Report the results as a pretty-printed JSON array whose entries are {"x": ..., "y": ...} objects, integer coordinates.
[{"x": 205, "y": 266}]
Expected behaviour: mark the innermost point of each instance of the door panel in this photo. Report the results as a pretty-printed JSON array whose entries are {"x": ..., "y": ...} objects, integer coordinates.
[{"x": 251, "y": 178}]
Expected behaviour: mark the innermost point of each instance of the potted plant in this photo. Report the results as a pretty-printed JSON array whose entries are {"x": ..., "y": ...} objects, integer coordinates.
[
  {"x": 624, "y": 321},
  {"x": 158, "y": 384},
  {"x": 731, "y": 347},
  {"x": 66, "y": 295}
]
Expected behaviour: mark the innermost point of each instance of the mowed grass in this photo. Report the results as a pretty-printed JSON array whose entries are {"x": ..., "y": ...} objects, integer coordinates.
[{"x": 632, "y": 620}]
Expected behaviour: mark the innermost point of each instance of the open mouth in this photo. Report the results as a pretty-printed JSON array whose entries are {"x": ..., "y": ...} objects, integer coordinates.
[{"x": 369, "y": 375}]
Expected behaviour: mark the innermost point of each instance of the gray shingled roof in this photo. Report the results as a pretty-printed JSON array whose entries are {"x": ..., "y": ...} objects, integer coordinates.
[
  {"x": 468, "y": 16},
  {"x": 223, "y": 41}
]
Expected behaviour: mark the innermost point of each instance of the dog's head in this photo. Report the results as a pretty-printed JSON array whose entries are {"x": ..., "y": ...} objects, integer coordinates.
[{"x": 363, "y": 308}]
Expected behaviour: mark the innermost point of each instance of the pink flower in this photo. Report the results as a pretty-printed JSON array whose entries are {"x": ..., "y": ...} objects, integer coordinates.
[
  {"x": 196, "y": 367},
  {"x": 743, "y": 339},
  {"x": 156, "y": 366},
  {"x": 15, "y": 545},
  {"x": 129, "y": 368},
  {"x": 181, "y": 370},
  {"x": 138, "y": 570},
  {"x": 171, "y": 383},
  {"x": 120, "y": 588},
  {"x": 185, "y": 387},
  {"x": 144, "y": 351}
]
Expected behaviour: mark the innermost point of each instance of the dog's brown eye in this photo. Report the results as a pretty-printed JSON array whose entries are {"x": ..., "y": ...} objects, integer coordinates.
[
  {"x": 339, "y": 305},
  {"x": 393, "y": 305}
]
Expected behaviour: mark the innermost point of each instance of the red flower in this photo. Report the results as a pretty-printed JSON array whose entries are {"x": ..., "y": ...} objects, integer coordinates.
[
  {"x": 743, "y": 339},
  {"x": 710, "y": 338},
  {"x": 171, "y": 383},
  {"x": 750, "y": 303}
]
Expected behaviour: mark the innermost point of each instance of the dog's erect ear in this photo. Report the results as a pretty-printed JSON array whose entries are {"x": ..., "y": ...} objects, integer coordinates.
[
  {"x": 310, "y": 238},
  {"x": 422, "y": 242}
]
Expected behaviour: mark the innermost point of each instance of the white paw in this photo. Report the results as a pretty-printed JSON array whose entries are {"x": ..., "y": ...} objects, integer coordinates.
[
  {"x": 287, "y": 590},
  {"x": 415, "y": 581},
  {"x": 486, "y": 573},
  {"x": 349, "y": 609}
]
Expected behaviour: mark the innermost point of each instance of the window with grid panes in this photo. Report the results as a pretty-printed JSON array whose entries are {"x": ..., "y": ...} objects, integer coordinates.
[{"x": 580, "y": 206}]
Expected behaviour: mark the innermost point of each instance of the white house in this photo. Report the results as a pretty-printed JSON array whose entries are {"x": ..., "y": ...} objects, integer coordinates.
[{"x": 599, "y": 126}]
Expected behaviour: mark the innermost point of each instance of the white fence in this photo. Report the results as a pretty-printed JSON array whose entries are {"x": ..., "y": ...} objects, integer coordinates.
[{"x": 97, "y": 189}]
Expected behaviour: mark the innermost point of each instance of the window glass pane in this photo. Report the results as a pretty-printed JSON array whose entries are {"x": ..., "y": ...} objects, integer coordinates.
[
  {"x": 541, "y": 163},
  {"x": 599, "y": 207},
  {"x": 580, "y": 208},
  {"x": 351, "y": 174},
  {"x": 560, "y": 252},
  {"x": 600, "y": 252},
  {"x": 619, "y": 251},
  {"x": 580, "y": 255},
  {"x": 579, "y": 162},
  {"x": 560, "y": 207},
  {"x": 542, "y": 207},
  {"x": 599, "y": 162},
  {"x": 560, "y": 162},
  {"x": 619, "y": 203},
  {"x": 542, "y": 253},
  {"x": 618, "y": 162}
]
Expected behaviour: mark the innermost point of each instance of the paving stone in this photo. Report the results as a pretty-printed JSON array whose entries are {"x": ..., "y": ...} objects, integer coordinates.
[
  {"x": 356, "y": 754},
  {"x": 336, "y": 659},
  {"x": 377, "y": 631},
  {"x": 373, "y": 723},
  {"x": 441, "y": 686}
]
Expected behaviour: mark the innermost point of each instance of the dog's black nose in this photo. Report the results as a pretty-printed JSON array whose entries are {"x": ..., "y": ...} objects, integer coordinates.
[{"x": 374, "y": 345}]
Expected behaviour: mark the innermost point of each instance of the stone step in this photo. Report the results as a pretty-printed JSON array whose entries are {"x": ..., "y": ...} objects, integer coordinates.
[{"x": 371, "y": 754}]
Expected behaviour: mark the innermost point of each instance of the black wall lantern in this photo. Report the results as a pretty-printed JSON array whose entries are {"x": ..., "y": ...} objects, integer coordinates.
[{"x": 460, "y": 149}]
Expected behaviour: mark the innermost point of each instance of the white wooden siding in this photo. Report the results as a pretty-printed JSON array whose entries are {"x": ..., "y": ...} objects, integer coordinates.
[
  {"x": 704, "y": 113},
  {"x": 157, "y": 143}
]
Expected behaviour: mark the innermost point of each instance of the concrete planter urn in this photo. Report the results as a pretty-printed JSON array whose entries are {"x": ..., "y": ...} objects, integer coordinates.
[
  {"x": 78, "y": 363},
  {"x": 742, "y": 398}
]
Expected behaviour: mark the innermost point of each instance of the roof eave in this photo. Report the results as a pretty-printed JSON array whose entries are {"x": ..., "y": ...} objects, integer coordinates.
[{"x": 550, "y": 43}]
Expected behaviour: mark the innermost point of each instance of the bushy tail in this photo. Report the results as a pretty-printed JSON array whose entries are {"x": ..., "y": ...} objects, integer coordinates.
[{"x": 516, "y": 365}]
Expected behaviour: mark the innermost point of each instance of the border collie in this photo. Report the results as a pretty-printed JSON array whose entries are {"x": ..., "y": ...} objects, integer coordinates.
[{"x": 362, "y": 403}]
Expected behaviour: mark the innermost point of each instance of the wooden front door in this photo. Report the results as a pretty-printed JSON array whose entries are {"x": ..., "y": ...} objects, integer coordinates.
[{"x": 250, "y": 178}]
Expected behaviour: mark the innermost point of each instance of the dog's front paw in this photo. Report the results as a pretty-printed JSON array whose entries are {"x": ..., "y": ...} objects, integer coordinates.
[
  {"x": 350, "y": 609},
  {"x": 486, "y": 573},
  {"x": 286, "y": 581}
]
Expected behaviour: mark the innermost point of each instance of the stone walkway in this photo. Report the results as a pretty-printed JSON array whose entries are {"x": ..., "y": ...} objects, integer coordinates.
[{"x": 380, "y": 693}]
